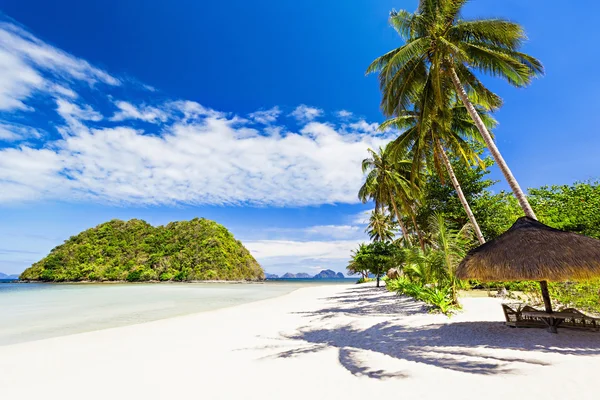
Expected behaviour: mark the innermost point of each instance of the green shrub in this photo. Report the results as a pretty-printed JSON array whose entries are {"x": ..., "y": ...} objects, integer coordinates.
[
  {"x": 440, "y": 297},
  {"x": 511, "y": 286},
  {"x": 134, "y": 276},
  {"x": 584, "y": 295},
  {"x": 165, "y": 276},
  {"x": 365, "y": 280}
]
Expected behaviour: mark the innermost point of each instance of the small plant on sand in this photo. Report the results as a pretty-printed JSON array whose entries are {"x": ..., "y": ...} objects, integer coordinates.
[
  {"x": 439, "y": 297},
  {"x": 364, "y": 280}
]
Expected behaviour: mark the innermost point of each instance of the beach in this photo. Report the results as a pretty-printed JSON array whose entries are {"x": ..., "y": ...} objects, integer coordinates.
[{"x": 321, "y": 342}]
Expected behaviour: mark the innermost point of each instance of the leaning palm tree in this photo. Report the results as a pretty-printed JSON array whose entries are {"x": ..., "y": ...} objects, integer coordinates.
[
  {"x": 439, "y": 47},
  {"x": 431, "y": 140},
  {"x": 381, "y": 227},
  {"x": 385, "y": 184}
]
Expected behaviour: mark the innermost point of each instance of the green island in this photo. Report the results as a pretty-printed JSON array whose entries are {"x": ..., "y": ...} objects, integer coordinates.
[{"x": 136, "y": 251}]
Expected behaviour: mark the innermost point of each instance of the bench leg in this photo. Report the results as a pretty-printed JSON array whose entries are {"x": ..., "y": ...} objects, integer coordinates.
[{"x": 552, "y": 324}]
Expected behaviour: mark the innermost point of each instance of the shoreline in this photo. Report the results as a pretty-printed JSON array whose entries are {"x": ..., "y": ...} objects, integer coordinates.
[
  {"x": 341, "y": 341},
  {"x": 237, "y": 282}
]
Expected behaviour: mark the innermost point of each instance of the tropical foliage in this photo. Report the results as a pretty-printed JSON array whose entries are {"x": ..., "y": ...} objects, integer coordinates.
[
  {"x": 136, "y": 251},
  {"x": 437, "y": 66},
  {"x": 433, "y": 96},
  {"x": 374, "y": 258}
]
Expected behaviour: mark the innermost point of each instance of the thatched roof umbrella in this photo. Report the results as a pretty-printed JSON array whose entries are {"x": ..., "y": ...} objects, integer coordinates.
[{"x": 532, "y": 251}]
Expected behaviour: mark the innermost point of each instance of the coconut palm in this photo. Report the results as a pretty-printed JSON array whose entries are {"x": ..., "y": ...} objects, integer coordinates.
[
  {"x": 430, "y": 140},
  {"x": 381, "y": 227},
  {"x": 388, "y": 181},
  {"x": 441, "y": 47}
]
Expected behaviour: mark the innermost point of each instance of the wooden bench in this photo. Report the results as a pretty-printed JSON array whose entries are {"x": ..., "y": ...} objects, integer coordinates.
[
  {"x": 523, "y": 316},
  {"x": 552, "y": 320}
]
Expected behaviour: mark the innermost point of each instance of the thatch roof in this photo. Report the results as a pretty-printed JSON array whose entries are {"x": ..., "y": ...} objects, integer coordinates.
[{"x": 530, "y": 250}]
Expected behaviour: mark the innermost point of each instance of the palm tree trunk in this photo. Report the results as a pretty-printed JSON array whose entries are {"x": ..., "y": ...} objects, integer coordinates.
[
  {"x": 460, "y": 193},
  {"x": 514, "y": 185},
  {"x": 510, "y": 178},
  {"x": 402, "y": 226}
]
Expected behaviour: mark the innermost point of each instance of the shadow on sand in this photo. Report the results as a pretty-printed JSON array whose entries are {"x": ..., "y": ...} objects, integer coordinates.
[
  {"x": 476, "y": 347},
  {"x": 369, "y": 300}
]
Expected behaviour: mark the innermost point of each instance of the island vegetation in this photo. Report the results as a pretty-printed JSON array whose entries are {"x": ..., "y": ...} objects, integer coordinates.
[
  {"x": 433, "y": 200},
  {"x": 136, "y": 251}
]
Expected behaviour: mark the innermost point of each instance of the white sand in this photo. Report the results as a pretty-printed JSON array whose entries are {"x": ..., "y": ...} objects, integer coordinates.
[{"x": 327, "y": 342}]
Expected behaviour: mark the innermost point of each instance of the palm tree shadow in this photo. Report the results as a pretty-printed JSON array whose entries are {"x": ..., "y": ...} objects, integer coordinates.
[
  {"x": 475, "y": 347},
  {"x": 370, "y": 301},
  {"x": 463, "y": 346}
]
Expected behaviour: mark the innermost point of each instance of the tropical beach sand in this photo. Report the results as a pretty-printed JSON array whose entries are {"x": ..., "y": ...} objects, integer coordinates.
[{"x": 325, "y": 342}]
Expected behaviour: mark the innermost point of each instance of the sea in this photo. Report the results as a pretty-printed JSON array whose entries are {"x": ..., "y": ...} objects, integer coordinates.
[{"x": 35, "y": 311}]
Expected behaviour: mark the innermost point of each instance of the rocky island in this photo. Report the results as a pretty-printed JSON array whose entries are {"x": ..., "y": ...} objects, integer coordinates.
[
  {"x": 325, "y": 274},
  {"x": 135, "y": 251}
]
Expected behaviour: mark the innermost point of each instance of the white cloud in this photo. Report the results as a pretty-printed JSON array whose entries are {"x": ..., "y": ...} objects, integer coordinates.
[
  {"x": 265, "y": 116},
  {"x": 280, "y": 256},
  {"x": 210, "y": 161},
  {"x": 304, "y": 113},
  {"x": 20, "y": 42},
  {"x": 264, "y": 250},
  {"x": 70, "y": 110},
  {"x": 17, "y": 132},
  {"x": 29, "y": 66},
  {"x": 192, "y": 155},
  {"x": 17, "y": 82},
  {"x": 191, "y": 110},
  {"x": 362, "y": 218},
  {"x": 344, "y": 114},
  {"x": 365, "y": 127},
  {"x": 28, "y": 174},
  {"x": 335, "y": 231},
  {"x": 142, "y": 112}
]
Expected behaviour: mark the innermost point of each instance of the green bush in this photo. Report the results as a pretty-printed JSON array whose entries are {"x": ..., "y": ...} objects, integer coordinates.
[
  {"x": 581, "y": 295},
  {"x": 365, "y": 280},
  {"x": 440, "y": 297},
  {"x": 511, "y": 286}
]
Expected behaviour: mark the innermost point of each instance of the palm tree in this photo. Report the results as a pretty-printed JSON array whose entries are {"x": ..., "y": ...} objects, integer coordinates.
[
  {"x": 439, "y": 47},
  {"x": 387, "y": 181},
  {"x": 448, "y": 249},
  {"x": 380, "y": 228},
  {"x": 429, "y": 140}
]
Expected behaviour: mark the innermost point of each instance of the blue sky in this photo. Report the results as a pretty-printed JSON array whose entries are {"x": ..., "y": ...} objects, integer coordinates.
[{"x": 254, "y": 114}]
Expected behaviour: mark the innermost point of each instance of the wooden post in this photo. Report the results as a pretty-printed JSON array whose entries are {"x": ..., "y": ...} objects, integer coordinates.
[{"x": 546, "y": 296}]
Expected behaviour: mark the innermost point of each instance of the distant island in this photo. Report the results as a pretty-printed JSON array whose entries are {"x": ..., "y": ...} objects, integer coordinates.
[
  {"x": 136, "y": 251},
  {"x": 325, "y": 274},
  {"x": 8, "y": 277}
]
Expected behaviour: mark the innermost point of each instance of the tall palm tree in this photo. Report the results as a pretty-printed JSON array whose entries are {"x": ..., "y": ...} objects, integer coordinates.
[
  {"x": 386, "y": 182},
  {"x": 430, "y": 140},
  {"x": 439, "y": 47},
  {"x": 381, "y": 227}
]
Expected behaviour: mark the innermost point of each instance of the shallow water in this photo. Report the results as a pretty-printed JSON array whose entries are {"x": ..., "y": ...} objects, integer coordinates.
[{"x": 33, "y": 311}]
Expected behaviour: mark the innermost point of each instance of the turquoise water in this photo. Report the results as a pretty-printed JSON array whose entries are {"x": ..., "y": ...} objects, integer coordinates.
[{"x": 36, "y": 311}]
